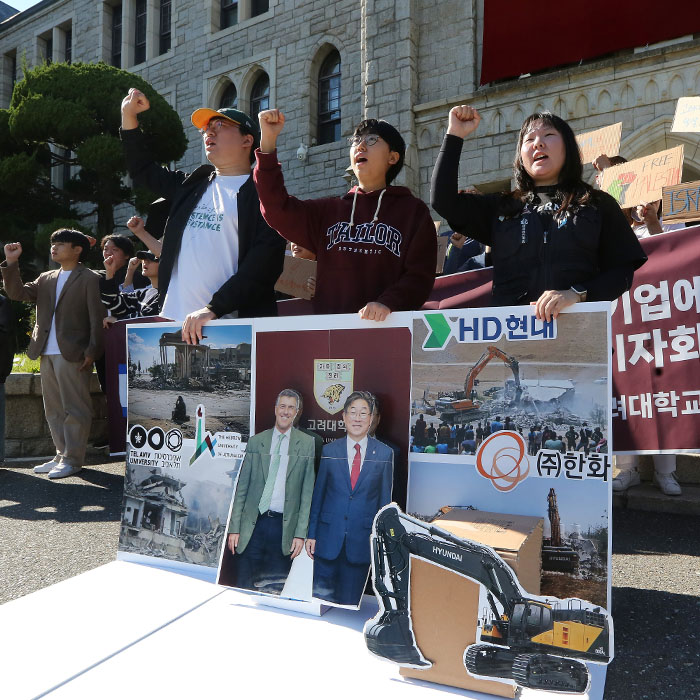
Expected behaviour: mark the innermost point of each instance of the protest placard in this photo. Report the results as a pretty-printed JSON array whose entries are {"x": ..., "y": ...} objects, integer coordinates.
[
  {"x": 643, "y": 179},
  {"x": 294, "y": 276},
  {"x": 682, "y": 202},
  {"x": 600, "y": 141},
  {"x": 687, "y": 117}
]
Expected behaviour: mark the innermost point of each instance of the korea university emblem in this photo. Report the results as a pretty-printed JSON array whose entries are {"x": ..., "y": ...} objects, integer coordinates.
[{"x": 333, "y": 381}]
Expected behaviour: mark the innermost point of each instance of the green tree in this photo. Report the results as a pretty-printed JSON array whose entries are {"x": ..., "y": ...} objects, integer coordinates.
[{"x": 70, "y": 114}]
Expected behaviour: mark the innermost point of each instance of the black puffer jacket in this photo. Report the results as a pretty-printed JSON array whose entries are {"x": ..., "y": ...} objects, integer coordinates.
[{"x": 250, "y": 291}]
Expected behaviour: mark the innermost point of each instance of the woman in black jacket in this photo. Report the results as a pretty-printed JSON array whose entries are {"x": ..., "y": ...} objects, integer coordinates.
[{"x": 554, "y": 239}]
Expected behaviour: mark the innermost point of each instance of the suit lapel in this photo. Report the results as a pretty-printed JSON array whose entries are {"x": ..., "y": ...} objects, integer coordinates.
[
  {"x": 293, "y": 451},
  {"x": 265, "y": 449},
  {"x": 52, "y": 282},
  {"x": 347, "y": 466},
  {"x": 71, "y": 279}
]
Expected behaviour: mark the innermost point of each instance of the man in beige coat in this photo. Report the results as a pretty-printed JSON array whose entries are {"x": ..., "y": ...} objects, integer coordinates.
[{"x": 68, "y": 337}]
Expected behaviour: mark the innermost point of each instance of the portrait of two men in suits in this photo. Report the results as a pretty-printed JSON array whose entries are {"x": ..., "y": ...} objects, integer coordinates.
[{"x": 278, "y": 510}]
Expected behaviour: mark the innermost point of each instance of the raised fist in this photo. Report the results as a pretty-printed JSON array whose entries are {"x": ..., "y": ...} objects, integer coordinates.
[
  {"x": 135, "y": 225},
  {"x": 12, "y": 252},
  {"x": 110, "y": 266},
  {"x": 135, "y": 102},
  {"x": 463, "y": 120},
  {"x": 271, "y": 124}
]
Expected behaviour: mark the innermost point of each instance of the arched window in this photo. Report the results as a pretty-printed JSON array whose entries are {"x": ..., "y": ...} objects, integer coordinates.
[
  {"x": 260, "y": 95},
  {"x": 229, "y": 98},
  {"x": 329, "y": 99}
]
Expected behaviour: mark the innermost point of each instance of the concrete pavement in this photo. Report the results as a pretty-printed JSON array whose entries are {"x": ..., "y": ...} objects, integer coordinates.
[{"x": 50, "y": 531}]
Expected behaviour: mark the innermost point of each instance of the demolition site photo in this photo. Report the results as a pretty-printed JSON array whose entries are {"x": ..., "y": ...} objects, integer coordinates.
[
  {"x": 168, "y": 379},
  {"x": 540, "y": 390}
]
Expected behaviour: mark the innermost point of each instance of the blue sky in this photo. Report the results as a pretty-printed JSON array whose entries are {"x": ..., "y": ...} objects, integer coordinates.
[
  {"x": 143, "y": 340},
  {"x": 434, "y": 483},
  {"x": 21, "y": 5}
]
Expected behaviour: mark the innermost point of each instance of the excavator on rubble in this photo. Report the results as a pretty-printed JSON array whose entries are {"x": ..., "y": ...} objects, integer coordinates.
[
  {"x": 453, "y": 410},
  {"x": 535, "y": 643}
]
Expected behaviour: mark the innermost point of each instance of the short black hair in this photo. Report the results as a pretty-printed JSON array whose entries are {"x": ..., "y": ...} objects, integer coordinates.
[
  {"x": 75, "y": 238},
  {"x": 389, "y": 134},
  {"x": 122, "y": 242}
]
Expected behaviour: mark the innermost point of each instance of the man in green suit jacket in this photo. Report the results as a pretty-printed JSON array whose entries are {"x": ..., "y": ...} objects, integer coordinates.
[{"x": 270, "y": 513}]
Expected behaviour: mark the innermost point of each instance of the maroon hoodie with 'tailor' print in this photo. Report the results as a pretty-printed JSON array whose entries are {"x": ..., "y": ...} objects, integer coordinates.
[{"x": 387, "y": 255}]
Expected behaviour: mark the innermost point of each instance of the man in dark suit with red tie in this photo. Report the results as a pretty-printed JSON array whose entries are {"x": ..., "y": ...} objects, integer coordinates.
[{"x": 353, "y": 483}]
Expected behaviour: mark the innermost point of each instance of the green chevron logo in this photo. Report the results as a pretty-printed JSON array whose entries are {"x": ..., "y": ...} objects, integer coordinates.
[{"x": 440, "y": 331}]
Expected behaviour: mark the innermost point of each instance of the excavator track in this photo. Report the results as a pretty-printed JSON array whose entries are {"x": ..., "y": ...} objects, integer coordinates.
[{"x": 545, "y": 672}]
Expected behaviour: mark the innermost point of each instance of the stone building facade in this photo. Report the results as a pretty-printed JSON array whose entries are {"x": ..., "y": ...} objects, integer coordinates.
[{"x": 407, "y": 61}]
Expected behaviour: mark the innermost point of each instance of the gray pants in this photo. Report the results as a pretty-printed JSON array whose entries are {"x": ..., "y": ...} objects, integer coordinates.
[{"x": 67, "y": 405}]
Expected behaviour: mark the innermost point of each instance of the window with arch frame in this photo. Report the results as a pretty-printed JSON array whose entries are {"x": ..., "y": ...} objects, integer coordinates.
[
  {"x": 260, "y": 95},
  {"x": 229, "y": 98},
  {"x": 329, "y": 99}
]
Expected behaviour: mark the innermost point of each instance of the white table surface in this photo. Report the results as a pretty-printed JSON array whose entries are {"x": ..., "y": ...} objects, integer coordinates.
[{"x": 130, "y": 631}]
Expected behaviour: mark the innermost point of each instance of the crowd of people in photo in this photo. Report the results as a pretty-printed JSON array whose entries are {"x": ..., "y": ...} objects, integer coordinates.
[
  {"x": 465, "y": 438},
  {"x": 219, "y": 248}
]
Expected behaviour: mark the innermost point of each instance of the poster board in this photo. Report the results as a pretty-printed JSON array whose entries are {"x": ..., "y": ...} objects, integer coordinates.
[
  {"x": 295, "y": 273},
  {"x": 643, "y": 179},
  {"x": 600, "y": 141},
  {"x": 326, "y": 359},
  {"x": 687, "y": 116},
  {"x": 681, "y": 203},
  {"x": 501, "y": 378},
  {"x": 189, "y": 420}
]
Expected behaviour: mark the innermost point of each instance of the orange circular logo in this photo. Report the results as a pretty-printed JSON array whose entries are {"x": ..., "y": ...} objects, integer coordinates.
[{"x": 501, "y": 458}]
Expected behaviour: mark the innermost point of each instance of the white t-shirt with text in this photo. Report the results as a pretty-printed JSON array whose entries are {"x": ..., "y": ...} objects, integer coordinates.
[{"x": 208, "y": 254}]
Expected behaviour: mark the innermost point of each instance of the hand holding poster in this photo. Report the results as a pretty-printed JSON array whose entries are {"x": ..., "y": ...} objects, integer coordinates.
[
  {"x": 687, "y": 117},
  {"x": 600, "y": 141},
  {"x": 643, "y": 179},
  {"x": 295, "y": 276}
]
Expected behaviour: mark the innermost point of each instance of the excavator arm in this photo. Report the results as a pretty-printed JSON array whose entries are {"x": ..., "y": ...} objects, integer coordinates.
[{"x": 520, "y": 623}]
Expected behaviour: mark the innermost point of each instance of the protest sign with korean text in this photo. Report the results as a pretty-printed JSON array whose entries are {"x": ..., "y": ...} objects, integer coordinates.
[{"x": 656, "y": 346}]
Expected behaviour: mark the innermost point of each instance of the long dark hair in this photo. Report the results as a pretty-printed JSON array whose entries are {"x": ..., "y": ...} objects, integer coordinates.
[{"x": 571, "y": 189}]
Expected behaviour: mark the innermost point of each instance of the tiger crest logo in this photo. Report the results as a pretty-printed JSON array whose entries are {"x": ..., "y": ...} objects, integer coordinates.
[{"x": 333, "y": 381}]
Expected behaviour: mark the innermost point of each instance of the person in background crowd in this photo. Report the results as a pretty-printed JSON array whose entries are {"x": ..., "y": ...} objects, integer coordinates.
[
  {"x": 219, "y": 257},
  {"x": 68, "y": 337},
  {"x": 376, "y": 246},
  {"x": 571, "y": 436},
  {"x": 589, "y": 257},
  {"x": 141, "y": 302},
  {"x": 119, "y": 249},
  {"x": 7, "y": 355}
]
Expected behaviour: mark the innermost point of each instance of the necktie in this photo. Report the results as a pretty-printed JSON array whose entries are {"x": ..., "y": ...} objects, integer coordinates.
[
  {"x": 271, "y": 477},
  {"x": 355, "y": 472}
]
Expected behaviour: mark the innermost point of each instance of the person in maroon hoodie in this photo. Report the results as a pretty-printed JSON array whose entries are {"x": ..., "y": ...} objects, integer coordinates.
[{"x": 376, "y": 246}]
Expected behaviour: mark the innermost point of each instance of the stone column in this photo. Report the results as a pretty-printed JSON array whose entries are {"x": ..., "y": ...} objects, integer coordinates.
[{"x": 390, "y": 78}]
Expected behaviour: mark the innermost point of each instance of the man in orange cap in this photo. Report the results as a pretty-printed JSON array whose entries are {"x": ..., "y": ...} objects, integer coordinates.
[{"x": 219, "y": 257}]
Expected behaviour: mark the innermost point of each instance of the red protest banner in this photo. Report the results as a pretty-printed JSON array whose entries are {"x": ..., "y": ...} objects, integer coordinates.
[{"x": 656, "y": 346}]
